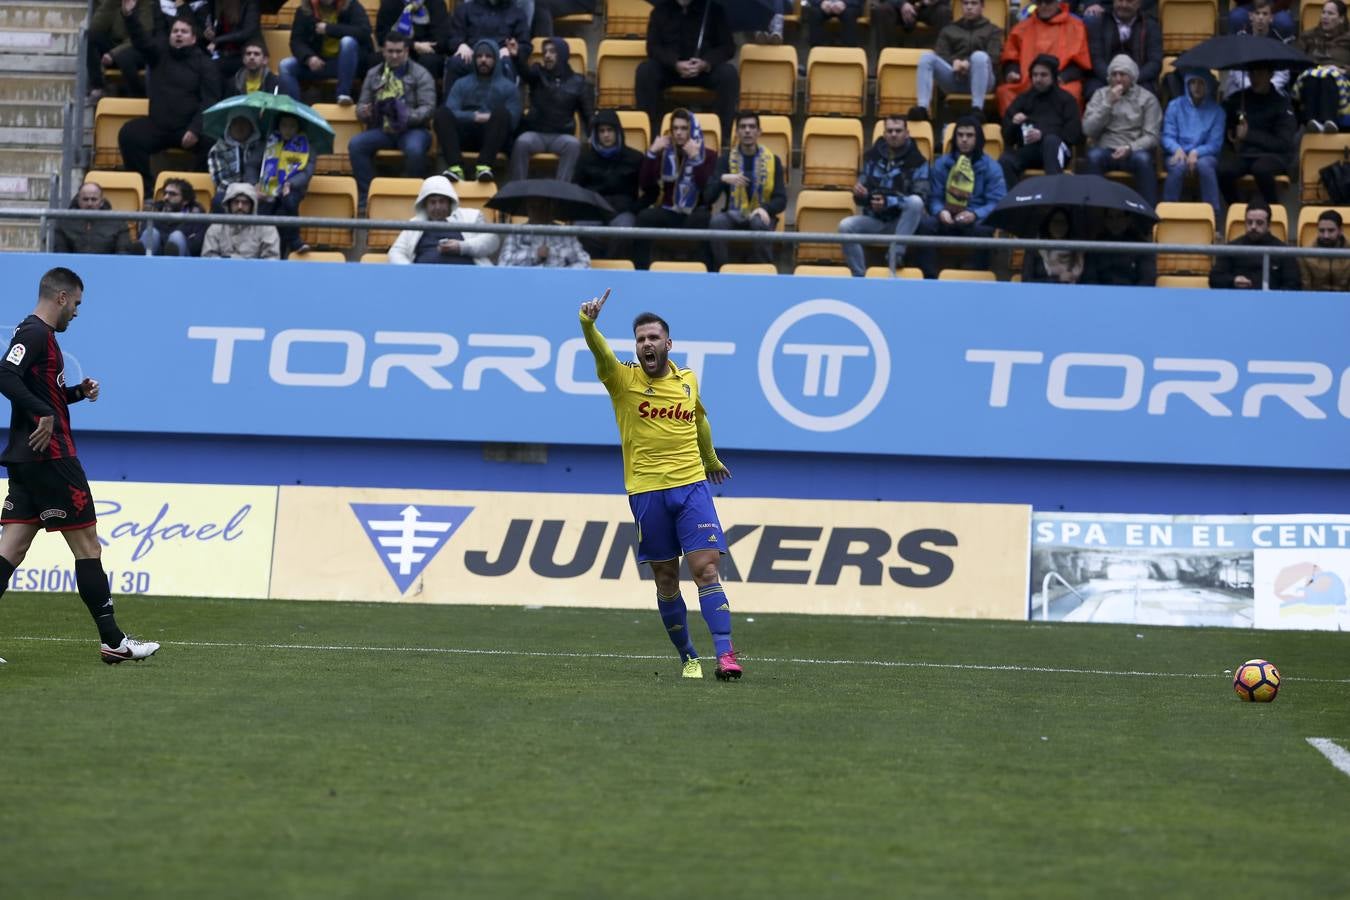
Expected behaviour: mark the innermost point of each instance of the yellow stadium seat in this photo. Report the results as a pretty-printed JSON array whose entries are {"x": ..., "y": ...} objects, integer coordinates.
[
  {"x": 576, "y": 20},
  {"x": 1182, "y": 281},
  {"x": 1316, "y": 152},
  {"x": 577, "y": 57},
  {"x": 993, "y": 138},
  {"x": 1310, "y": 15},
  {"x": 1186, "y": 23},
  {"x": 636, "y": 129},
  {"x": 390, "y": 198},
  {"x": 712, "y": 128},
  {"x": 832, "y": 152},
  {"x": 282, "y": 18},
  {"x": 124, "y": 191},
  {"x": 823, "y": 271},
  {"x": 966, "y": 275},
  {"x": 278, "y": 46},
  {"x": 768, "y": 78},
  {"x": 627, "y": 18},
  {"x": 822, "y": 211},
  {"x": 625, "y": 265},
  {"x": 678, "y": 266},
  {"x": 109, "y": 117},
  {"x": 326, "y": 256},
  {"x": 1184, "y": 223},
  {"x": 201, "y": 182},
  {"x": 898, "y": 80},
  {"x": 748, "y": 269},
  {"x": 475, "y": 195},
  {"x": 374, "y": 257},
  {"x": 1307, "y": 222},
  {"x": 329, "y": 196},
  {"x": 883, "y": 272},
  {"x": 616, "y": 64},
  {"x": 920, "y": 133},
  {"x": 345, "y": 127},
  {"x": 775, "y": 133},
  {"x": 1235, "y": 223},
  {"x": 836, "y": 81}
]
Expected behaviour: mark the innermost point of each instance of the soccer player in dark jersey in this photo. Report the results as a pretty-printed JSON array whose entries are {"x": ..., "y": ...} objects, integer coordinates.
[
  {"x": 668, "y": 460},
  {"x": 47, "y": 486}
]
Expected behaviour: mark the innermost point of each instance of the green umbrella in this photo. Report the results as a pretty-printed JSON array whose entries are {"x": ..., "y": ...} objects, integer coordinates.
[{"x": 263, "y": 109}]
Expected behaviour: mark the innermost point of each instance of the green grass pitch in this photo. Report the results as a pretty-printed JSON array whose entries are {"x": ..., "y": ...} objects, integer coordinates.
[{"x": 304, "y": 750}]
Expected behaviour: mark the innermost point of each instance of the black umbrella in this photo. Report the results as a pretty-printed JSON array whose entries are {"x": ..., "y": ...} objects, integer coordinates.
[
  {"x": 570, "y": 201},
  {"x": 1025, "y": 206},
  {"x": 1242, "y": 51},
  {"x": 742, "y": 15}
]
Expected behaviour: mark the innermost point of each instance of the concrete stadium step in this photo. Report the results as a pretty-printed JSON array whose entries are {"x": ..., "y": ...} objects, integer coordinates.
[
  {"x": 31, "y": 162},
  {"x": 51, "y": 16},
  {"x": 25, "y": 88},
  {"x": 30, "y": 137},
  {"x": 36, "y": 62},
  {"x": 45, "y": 114},
  {"x": 18, "y": 189},
  {"x": 43, "y": 41},
  {"x": 14, "y": 236}
]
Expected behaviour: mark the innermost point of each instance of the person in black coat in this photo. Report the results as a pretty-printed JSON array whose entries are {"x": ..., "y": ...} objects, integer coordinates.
[
  {"x": 234, "y": 22},
  {"x": 1129, "y": 269},
  {"x": 318, "y": 26},
  {"x": 253, "y": 74},
  {"x": 689, "y": 44},
  {"x": 502, "y": 21},
  {"x": 183, "y": 83},
  {"x": 1041, "y": 126},
  {"x": 558, "y": 95},
  {"x": 1143, "y": 45},
  {"x": 1261, "y": 142},
  {"x": 1244, "y": 272},
  {"x": 425, "y": 22},
  {"x": 611, "y": 169}
]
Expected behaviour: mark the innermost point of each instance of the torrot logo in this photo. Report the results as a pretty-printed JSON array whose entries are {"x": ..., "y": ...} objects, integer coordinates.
[
  {"x": 408, "y": 537},
  {"x": 825, "y": 366}
]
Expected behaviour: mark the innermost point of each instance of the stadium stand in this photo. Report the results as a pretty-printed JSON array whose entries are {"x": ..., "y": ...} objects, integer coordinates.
[
  {"x": 389, "y": 198},
  {"x": 123, "y": 190},
  {"x": 1186, "y": 23},
  {"x": 769, "y": 79},
  {"x": 836, "y": 81},
  {"x": 674, "y": 265},
  {"x": 374, "y": 257},
  {"x": 627, "y": 18},
  {"x": 897, "y": 80},
  {"x": 109, "y": 117},
  {"x": 1184, "y": 223},
  {"x": 824, "y": 271},
  {"x": 331, "y": 196},
  {"x": 1182, "y": 281},
  {"x": 623, "y": 265},
  {"x": 345, "y": 127},
  {"x": 821, "y": 211},
  {"x": 883, "y": 272},
  {"x": 1315, "y": 152},
  {"x": 831, "y": 152},
  {"x": 324, "y": 256},
  {"x": 636, "y": 129},
  {"x": 966, "y": 275},
  {"x": 775, "y": 133},
  {"x": 616, "y": 64},
  {"x": 748, "y": 269},
  {"x": 1235, "y": 224},
  {"x": 278, "y": 47}
]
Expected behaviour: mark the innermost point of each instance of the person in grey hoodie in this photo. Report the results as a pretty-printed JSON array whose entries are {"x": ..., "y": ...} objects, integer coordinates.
[
  {"x": 235, "y": 157},
  {"x": 242, "y": 241},
  {"x": 481, "y": 111},
  {"x": 1124, "y": 123}
]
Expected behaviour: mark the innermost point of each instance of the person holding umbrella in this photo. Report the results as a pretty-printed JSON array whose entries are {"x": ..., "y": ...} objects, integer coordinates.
[
  {"x": 690, "y": 44},
  {"x": 237, "y": 156},
  {"x": 548, "y": 251},
  {"x": 1261, "y": 129},
  {"x": 1259, "y": 24}
]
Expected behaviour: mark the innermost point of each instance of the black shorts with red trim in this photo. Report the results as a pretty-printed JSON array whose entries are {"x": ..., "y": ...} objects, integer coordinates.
[{"x": 53, "y": 493}]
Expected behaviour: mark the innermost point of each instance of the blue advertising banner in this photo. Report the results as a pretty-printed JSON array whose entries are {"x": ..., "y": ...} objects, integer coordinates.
[{"x": 802, "y": 364}]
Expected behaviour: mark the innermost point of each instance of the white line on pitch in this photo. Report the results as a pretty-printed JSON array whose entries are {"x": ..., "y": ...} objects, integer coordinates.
[
  {"x": 1338, "y": 755},
  {"x": 558, "y": 654}
]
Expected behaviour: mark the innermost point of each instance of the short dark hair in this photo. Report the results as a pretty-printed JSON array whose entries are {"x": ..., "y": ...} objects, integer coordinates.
[
  {"x": 747, "y": 114},
  {"x": 189, "y": 22},
  {"x": 1258, "y": 204},
  {"x": 184, "y": 187},
  {"x": 1261, "y": 4},
  {"x": 896, "y": 117},
  {"x": 1340, "y": 6},
  {"x": 1330, "y": 215},
  {"x": 254, "y": 42},
  {"x": 681, "y": 113},
  {"x": 395, "y": 37},
  {"x": 57, "y": 280},
  {"x": 648, "y": 318}
]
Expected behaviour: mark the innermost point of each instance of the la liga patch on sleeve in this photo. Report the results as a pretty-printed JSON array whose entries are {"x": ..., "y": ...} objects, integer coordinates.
[{"x": 15, "y": 354}]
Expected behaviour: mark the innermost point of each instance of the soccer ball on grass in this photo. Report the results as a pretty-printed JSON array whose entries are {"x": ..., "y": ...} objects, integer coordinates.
[{"x": 1257, "y": 681}]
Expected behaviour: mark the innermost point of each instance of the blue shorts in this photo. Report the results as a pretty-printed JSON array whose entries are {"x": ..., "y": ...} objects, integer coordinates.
[{"x": 676, "y": 521}]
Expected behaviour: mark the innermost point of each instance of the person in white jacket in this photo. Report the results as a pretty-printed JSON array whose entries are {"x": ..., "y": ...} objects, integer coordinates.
[{"x": 438, "y": 202}]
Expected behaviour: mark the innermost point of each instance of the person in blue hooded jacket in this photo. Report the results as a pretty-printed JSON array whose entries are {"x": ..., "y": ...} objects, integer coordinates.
[
  {"x": 481, "y": 111},
  {"x": 1192, "y": 137},
  {"x": 966, "y": 186}
]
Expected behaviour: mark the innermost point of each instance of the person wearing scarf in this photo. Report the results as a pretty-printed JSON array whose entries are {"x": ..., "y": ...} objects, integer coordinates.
[
  {"x": 753, "y": 182},
  {"x": 397, "y": 100},
  {"x": 288, "y": 164},
  {"x": 678, "y": 166},
  {"x": 1323, "y": 91},
  {"x": 966, "y": 185}
]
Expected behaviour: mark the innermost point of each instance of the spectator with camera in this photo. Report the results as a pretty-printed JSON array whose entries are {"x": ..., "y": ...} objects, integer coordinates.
[{"x": 891, "y": 192}]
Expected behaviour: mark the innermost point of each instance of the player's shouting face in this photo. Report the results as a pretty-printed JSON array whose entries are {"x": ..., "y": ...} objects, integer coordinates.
[{"x": 653, "y": 348}]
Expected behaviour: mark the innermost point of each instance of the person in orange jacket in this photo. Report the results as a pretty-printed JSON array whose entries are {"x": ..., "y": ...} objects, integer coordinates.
[{"x": 1049, "y": 30}]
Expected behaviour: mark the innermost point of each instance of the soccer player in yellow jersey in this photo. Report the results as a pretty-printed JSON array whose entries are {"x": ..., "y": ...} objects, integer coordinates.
[{"x": 668, "y": 460}]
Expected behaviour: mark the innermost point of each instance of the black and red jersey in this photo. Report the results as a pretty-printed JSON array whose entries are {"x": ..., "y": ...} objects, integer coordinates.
[{"x": 33, "y": 377}]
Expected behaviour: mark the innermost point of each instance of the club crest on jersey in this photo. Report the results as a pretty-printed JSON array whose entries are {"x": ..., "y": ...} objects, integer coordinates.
[
  {"x": 15, "y": 354},
  {"x": 686, "y": 390}
]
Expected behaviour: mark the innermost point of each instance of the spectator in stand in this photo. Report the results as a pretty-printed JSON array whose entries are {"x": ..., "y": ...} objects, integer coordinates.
[
  {"x": 329, "y": 39},
  {"x": 1244, "y": 272},
  {"x": 480, "y": 112},
  {"x": 961, "y": 60},
  {"x": 1124, "y": 124},
  {"x": 1053, "y": 266},
  {"x": 1051, "y": 30},
  {"x": 545, "y": 11},
  {"x": 818, "y": 13},
  {"x": 1129, "y": 269},
  {"x": 1261, "y": 131},
  {"x": 397, "y": 100},
  {"x": 110, "y": 46},
  {"x": 502, "y": 22},
  {"x": 1192, "y": 137},
  {"x": 1323, "y": 92},
  {"x": 895, "y": 20},
  {"x": 688, "y": 44},
  {"x": 288, "y": 165},
  {"x": 426, "y": 25},
  {"x": 966, "y": 186},
  {"x": 677, "y": 168},
  {"x": 89, "y": 236},
  {"x": 891, "y": 192},
  {"x": 231, "y": 25},
  {"x": 755, "y": 186},
  {"x": 558, "y": 95},
  {"x": 163, "y": 239},
  {"x": 1042, "y": 126},
  {"x": 548, "y": 251},
  {"x": 1124, "y": 30},
  {"x": 612, "y": 170},
  {"x": 235, "y": 157},
  {"x": 183, "y": 83},
  {"x": 1259, "y": 24},
  {"x": 438, "y": 202},
  {"x": 1324, "y": 274},
  {"x": 1282, "y": 19},
  {"x": 241, "y": 241},
  {"x": 253, "y": 74}
]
